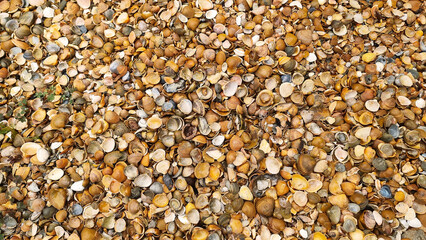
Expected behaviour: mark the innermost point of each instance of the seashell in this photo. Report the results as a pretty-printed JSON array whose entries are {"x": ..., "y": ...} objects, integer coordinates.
[
  {"x": 305, "y": 164},
  {"x": 163, "y": 167},
  {"x": 273, "y": 165},
  {"x": 340, "y": 154},
  {"x": 57, "y": 197},
  {"x": 154, "y": 122},
  {"x": 314, "y": 185},
  {"x": 245, "y": 193},
  {"x": 298, "y": 182},
  {"x": 386, "y": 150},
  {"x": 218, "y": 140},
  {"x": 189, "y": 132},
  {"x": 300, "y": 198},
  {"x": 174, "y": 123},
  {"x": 265, "y": 98},
  {"x": 199, "y": 76},
  {"x": 404, "y": 101},
  {"x": 341, "y": 31},
  {"x": 298, "y": 78},
  {"x": 12, "y": 25},
  {"x": 286, "y": 89},
  {"x": 108, "y": 145},
  {"x": 59, "y": 120},
  {"x": 29, "y": 149},
  {"x": 230, "y": 88},
  {"x": 185, "y": 106},
  {"x": 55, "y": 174},
  {"x": 265, "y": 206},
  {"x": 42, "y": 155},
  {"x": 22, "y": 31},
  {"x": 143, "y": 180},
  {"x": 210, "y": 14},
  {"x": 372, "y": 105}
]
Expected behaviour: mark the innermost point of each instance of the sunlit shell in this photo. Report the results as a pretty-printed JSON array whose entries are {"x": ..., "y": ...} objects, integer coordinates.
[
  {"x": 300, "y": 198},
  {"x": 404, "y": 101},
  {"x": 299, "y": 182},
  {"x": 314, "y": 185},
  {"x": 30, "y": 148},
  {"x": 108, "y": 145},
  {"x": 163, "y": 167},
  {"x": 55, "y": 174},
  {"x": 363, "y": 133},
  {"x": 230, "y": 88},
  {"x": 372, "y": 105},
  {"x": 143, "y": 180},
  {"x": 307, "y": 86},
  {"x": 39, "y": 115},
  {"x": 286, "y": 89},
  {"x": 211, "y": 14},
  {"x": 154, "y": 122},
  {"x": 273, "y": 165},
  {"x": 185, "y": 106},
  {"x": 340, "y": 154},
  {"x": 341, "y": 31},
  {"x": 218, "y": 140},
  {"x": 245, "y": 193},
  {"x": 406, "y": 81},
  {"x": 42, "y": 155}
]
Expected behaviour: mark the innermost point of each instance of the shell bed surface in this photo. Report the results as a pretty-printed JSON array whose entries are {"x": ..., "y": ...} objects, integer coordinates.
[{"x": 212, "y": 119}]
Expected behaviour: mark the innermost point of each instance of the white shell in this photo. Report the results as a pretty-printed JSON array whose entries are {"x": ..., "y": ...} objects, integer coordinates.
[
  {"x": 404, "y": 100},
  {"x": 163, "y": 167},
  {"x": 273, "y": 165},
  {"x": 420, "y": 103},
  {"x": 415, "y": 223},
  {"x": 210, "y": 14},
  {"x": 311, "y": 57},
  {"x": 218, "y": 140},
  {"x": 55, "y": 174},
  {"x": 372, "y": 105},
  {"x": 341, "y": 32},
  {"x": 406, "y": 81},
  {"x": 77, "y": 186},
  {"x": 143, "y": 180},
  {"x": 42, "y": 155},
  {"x": 108, "y": 145},
  {"x": 120, "y": 225},
  {"x": 230, "y": 88},
  {"x": 185, "y": 106},
  {"x": 286, "y": 89},
  {"x": 245, "y": 193},
  {"x": 300, "y": 198}
]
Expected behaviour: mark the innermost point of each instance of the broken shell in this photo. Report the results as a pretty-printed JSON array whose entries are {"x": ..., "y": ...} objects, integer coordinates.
[{"x": 265, "y": 98}]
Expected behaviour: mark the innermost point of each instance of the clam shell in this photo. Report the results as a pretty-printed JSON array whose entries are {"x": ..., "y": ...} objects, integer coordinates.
[
  {"x": 30, "y": 148},
  {"x": 230, "y": 88}
]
